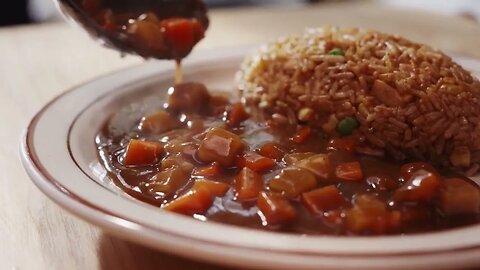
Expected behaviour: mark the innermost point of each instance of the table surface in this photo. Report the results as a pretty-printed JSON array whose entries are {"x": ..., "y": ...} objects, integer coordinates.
[{"x": 41, "y": 61}]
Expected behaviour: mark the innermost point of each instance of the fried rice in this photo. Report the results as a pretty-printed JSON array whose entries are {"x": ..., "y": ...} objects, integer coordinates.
[{"x": 410, "y": 100}]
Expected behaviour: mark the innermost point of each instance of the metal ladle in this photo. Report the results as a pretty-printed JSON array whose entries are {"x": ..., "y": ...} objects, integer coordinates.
[{"x": 74, "y": 10}]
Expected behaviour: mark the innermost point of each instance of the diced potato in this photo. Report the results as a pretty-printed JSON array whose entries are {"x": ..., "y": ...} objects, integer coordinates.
[
  {"x": 370, "y": 216},
  {"x": 293, "y": 181},
  {"x": 317, "y": 164},
  {"x": 188, "y": 98},
  {"x": 146, "y": 35},
  {"x": 275, "y": 209},
  {"x": 217, "y": 189},
  {"x": 177, "y": 161},
  {"x": 211, "y": 170},
  {"x": 323, "y": 199},
  {"x": 169, "y": 181},
  {"x": 222, "y": 146},
  {"x": 293, "y": 158},
  {"x": 159, "y": 122},
  {"x": 422, "y": 185},
  {"x": 237, "y": 114},
  {"x": 460, "y": 157},
  {"x": 350, "y": 171},
  {"x": 248, "y": 185},
  {"x": 459, "y": 197},
  {"x": 195, "y": 201},
  {"x": 272, "y": 150},
  {"x": 256, "y": 162},
  {"x": 142, "y": 153}
]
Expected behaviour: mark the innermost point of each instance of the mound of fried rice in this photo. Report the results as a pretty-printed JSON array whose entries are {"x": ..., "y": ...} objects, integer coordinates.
[{"x": 411, "y": 101}]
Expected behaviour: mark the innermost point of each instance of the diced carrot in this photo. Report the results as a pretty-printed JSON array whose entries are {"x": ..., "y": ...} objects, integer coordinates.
[
  {"x": 195, "y": 201},
  {"x": 272, "y": 150},
  {"x": 217, "y": 189},
  {"x": 351, "y": 171},
  {"x": 221, "y": 146},
  {"x": 255, "y": 162},
  {"x": 344, "y": 143},
  {"x": 212, "y": 170},
  {"x": 318, "y": 164},
  {"x": 275, "y": 209},
  {"x": 159, "y": 122},
  {"x": 293, "y": 181},
  {"x": 237, "y": 114},
  {"x": 142, "y": 153},
  {"x": 323, "y": 199},
  {"x": 302, "y": 135},
  {"x": 182, "y": 34},
  {"x": 247, "y": 185},
  {"x": 422, "y": 185}
]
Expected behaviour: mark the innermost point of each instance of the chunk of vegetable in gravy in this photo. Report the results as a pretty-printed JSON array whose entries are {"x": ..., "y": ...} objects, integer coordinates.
[
  {"x": 169, "y": 180},
  {"x": 350, "y": 171},
  {"x": 272, "y": 150},
  {"x": 159, "y": 122},
  {"x": 459, "y": 197},
  {"x": 317, "y": 164},
  {"x": 237, "y": 114},
  {"x": 275, "y": 209},
  {"x": 248, "y": 185},
  {"x": 323, "y": 199},
  {"x": 220, "y": 146},
  {"x": 217, "y": 189},
  {"x": 211, "y": 170},
  {"x": 188, "y": 98},
  {"x": 142, "y": 153},
  {"x": 205, "y": 156},
  {"x": 293, "y": 181},
  {"x": 196, "y": 201},
  {"x": 421, "y": 184},
  {"x": 181, "y": 34},
  {"x": 256, "y": 162},
  {"x": 369, "y": 215}
]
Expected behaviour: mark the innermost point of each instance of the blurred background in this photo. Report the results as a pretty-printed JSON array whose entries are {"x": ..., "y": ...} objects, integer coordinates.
[{"x": 39, "y": 11}]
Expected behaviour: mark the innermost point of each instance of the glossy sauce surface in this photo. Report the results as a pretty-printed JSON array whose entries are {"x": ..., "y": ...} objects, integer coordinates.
[{"x": 209, "y": 158}]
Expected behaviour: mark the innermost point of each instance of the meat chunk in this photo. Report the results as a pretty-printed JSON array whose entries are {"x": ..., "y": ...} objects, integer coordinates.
[{"x": 222, "y": 146}]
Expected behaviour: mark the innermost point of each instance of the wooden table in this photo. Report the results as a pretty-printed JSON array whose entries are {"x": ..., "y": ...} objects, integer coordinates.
[{"x": 39, "y": 62}]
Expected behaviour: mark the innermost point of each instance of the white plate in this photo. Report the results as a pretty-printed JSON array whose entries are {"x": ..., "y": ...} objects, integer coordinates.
[{"x": 59, "y": 154}]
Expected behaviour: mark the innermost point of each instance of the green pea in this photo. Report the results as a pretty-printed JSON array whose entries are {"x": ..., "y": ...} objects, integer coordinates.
[
  {"x": 336, "y": 51},
  {"x": 347, "y": 125}
]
